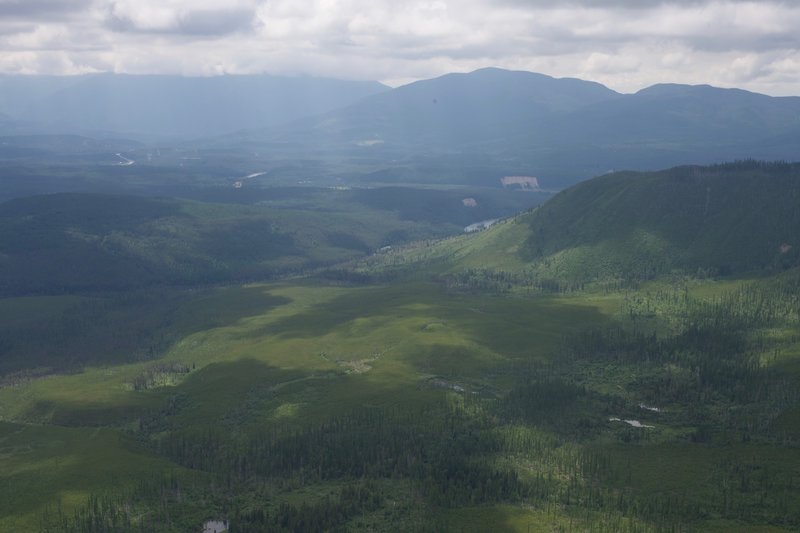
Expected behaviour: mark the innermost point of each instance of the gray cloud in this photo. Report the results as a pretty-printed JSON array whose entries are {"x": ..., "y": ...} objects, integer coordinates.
[
  {"x": 210, "y": 23},
  {"x": 189, "y": 19},
  {"x": 14, "y": 28},
  {"x": 622, "y": 4},
  {"x": 42, "y": 9}
]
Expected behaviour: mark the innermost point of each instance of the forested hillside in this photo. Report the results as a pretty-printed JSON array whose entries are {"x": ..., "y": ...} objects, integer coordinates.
[
  {"x": 716, "y": 221},
  {"x": 720, "y": 220},
  {"x": 471, "y": 383}
]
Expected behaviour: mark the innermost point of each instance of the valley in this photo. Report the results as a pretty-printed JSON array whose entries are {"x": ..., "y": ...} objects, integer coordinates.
[
  {"x": 434, "y": 308},
  {"x": 520, "y": 378}
]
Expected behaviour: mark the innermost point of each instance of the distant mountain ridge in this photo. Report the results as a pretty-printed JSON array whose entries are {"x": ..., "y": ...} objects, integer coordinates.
[
  {"x": 157, "y": 105},
  {"x": 452, "y": 110},
  {"x": 470, "y": 129},
  {"x": 561, "y": 130}
]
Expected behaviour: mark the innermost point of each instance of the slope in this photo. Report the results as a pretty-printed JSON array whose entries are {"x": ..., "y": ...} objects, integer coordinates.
[
  {"x": 723, "y": 219},
  {"x": 559, "y": 130},
  {"x": 77, "y": 241},
  {"x": 305, "y": 405},
  {"x": 729, "y": 219},
  {"x": 457, "y": 109}
]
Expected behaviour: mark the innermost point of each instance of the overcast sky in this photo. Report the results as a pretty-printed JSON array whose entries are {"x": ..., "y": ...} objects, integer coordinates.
[{"x": 625, "y": 44}]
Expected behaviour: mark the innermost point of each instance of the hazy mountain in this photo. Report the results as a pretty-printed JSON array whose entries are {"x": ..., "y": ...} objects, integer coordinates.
[
  {"x": 452, "y": 111},
  {"x": 683, "y": 117},
  {"x": 172, "y": 105},
  {"x": 473, "y": 128},
  {"x": 9, "y": 126},
  {"x": 560, "y": 130}
]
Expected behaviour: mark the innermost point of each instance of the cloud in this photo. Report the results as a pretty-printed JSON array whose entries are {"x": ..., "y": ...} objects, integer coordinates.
[
  {"x": 624, "y": 4},
  {"x": 625, "y": 44},
  {"x": 181, "y": 17},
  {"x": 41, "y": 9}
]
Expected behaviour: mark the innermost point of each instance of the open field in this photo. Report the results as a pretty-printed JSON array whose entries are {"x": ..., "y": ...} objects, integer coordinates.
[
  {"x": 297, "y": 364},
  {"x": 244, "y": 363}
]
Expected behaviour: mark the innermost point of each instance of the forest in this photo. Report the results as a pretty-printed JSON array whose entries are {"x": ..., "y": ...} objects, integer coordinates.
[{"x": 461, "y": 383}]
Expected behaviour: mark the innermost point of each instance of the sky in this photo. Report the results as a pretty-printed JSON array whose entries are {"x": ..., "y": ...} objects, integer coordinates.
[{"x": 624, "y": 44}]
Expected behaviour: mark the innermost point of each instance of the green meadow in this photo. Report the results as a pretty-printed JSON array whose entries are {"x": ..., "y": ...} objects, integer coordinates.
[
  {"x": 287, "y": 358},
  {"x": 463, "y": 384}
]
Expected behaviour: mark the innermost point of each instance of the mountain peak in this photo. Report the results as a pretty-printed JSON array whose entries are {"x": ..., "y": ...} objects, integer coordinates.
[{"x": 661, "y": 90}]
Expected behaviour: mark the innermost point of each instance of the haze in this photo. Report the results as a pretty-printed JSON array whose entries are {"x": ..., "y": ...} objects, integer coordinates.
[
  {"x": 626, "y": 45},
  {"x": 352, "y": 265}
]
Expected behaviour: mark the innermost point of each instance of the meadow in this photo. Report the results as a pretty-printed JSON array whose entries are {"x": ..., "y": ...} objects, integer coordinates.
[
  {"x": 440, "y": 385},
  {"x": 461, "y": 409}
]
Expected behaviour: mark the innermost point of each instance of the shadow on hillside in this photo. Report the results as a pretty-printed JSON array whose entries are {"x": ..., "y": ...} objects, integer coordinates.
[
  {"x": 363, "y": 302},
  {"x": 117, "y": 329},
  {"x": 512, "y": 327}
]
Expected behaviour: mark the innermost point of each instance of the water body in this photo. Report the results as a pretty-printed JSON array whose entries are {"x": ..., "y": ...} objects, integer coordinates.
[
  {"x": 633, "y": 423},
  {"x": 239, "y": 183},
  {"x": 124, "y": 161}
]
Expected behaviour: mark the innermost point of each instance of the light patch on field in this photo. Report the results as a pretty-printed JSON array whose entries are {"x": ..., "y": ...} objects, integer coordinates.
[
  {"x": 286, "y": 410},
  {"x": 357, "y": 367}
]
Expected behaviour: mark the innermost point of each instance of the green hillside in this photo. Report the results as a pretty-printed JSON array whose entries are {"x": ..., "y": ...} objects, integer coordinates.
[
  {"x": 67, "y": 242},
  {"x": 383, "y": 396},
  {"x": 414, "y": 408},
  {"x": 725, "y": 219}
]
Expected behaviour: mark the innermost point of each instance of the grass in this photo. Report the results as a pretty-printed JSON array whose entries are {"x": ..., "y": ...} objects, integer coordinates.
[
  {"x": 297, "y": 354},
  {"x": 281, "y": 353},
  {"x": 54, "y": 466},
  {"x": 88, "y": 242},
  {"x": 641, "y": 225},
  {"x": 633, "y": 227},
  {"x": 491, "y": 359},
  {"x": 515, "y": 519}
]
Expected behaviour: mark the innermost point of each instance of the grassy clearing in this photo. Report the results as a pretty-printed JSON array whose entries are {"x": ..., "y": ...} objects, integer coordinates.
[
  {"x": 261, "y": 355},
  {"x": 294, "y": 356},
  {"x": 49, "y": 466},
  {"x": 399, "y": 334}
]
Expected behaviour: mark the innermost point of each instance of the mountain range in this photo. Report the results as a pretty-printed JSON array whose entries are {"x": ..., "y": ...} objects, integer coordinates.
[
  {"x": 561, "y": 130},
  {"x": 169, "y": 106},
  {"x": 253, "y": 331},
  {"x": 474, "y": 128}
]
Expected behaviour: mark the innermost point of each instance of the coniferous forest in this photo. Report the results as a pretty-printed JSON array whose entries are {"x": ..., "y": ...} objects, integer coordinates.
[
  {"x": 415, "y": 390},
  {"x": 431, "y": 308}
]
